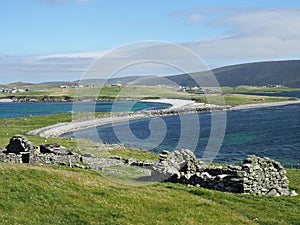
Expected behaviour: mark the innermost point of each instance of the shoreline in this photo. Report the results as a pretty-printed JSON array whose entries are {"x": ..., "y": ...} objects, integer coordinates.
[
  {"x": 179, "y": 107},
  {"x": 175, "y": 103},
  {"x": 264, "y": 105}
]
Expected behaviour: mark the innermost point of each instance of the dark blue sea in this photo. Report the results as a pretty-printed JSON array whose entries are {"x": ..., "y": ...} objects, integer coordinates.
[{"x": 272, "y": 132}]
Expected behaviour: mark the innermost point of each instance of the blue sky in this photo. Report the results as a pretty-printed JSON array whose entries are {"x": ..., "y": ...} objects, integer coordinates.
[{"x": 41, "y": 34}]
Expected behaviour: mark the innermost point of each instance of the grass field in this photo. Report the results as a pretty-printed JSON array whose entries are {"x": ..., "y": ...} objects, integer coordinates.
[
  {"x": 238, "y": 99},
  {"x": 106, "y": 92},
  {"x": 57, "y": 195}
]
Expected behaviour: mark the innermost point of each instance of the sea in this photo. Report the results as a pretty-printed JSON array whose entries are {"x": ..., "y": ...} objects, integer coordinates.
[
  {"x": 272, "y": 132},
  {"x": 22, "y": 109}
]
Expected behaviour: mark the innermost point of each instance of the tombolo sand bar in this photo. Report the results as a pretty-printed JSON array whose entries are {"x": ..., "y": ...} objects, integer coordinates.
[{"x": 179, "y": 106}]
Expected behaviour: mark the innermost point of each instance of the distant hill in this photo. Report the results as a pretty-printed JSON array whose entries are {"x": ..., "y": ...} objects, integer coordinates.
[
  {"x": 20, "y": 84},
  {"x": 285, "y": 73}
]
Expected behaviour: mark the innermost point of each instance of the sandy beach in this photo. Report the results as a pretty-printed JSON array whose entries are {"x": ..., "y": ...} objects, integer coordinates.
[
  {"x": 6, "y": 100},
  {"x": 176, "y": 103},
  {"x": 179, "y": 106}
]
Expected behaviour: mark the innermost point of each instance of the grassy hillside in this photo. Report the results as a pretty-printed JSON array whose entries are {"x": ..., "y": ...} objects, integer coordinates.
[
  {"x": 285, "y": 73},
  {"x": 57, "y": 195}
]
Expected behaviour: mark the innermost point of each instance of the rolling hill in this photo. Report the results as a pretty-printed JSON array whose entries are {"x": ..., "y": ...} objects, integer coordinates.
[{"x": 285, "y": 73}]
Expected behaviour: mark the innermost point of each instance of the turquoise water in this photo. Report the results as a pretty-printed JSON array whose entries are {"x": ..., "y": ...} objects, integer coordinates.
[{"x": 16, "y": 109}]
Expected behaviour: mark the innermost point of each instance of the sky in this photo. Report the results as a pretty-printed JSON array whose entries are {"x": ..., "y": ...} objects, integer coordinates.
[{"x": 47, "y": 40}]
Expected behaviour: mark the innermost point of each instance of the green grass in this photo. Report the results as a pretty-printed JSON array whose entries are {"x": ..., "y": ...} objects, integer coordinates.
[
  {"x": 12, "y": 126},
  {"x": 133, "y": 153},
  {"x": 251, "y": 89},
  {"x": 58, "y": 195},
  {"x": 100, "y": 93},
  {"x": 239, "y": 99},
  {"x": 146, "y": 92},
  {"x": 24, "y": 124}
]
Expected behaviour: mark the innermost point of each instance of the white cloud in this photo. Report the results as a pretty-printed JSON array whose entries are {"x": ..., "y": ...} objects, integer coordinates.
[
  {"x": 195, "y": 18},
  {"x": 252, "y": 34}
]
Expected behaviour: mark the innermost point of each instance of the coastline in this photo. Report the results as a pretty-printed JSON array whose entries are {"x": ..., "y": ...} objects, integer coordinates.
[
  {"x": 179, "y": 106},
  {"x": 263, "y": 105}
]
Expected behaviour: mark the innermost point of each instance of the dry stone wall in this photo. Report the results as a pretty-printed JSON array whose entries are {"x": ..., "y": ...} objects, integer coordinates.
[{"x": 259, "y": 176}]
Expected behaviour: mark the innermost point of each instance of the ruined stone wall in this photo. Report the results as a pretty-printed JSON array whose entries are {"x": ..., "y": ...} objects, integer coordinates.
[
  {"x": 50, "y": 158},
  {"x": 10, "y": 158},
  {"x": 260, "y": 176},
  {"x": 264, "y": 176},
  {"x": 20, "y": 150}
]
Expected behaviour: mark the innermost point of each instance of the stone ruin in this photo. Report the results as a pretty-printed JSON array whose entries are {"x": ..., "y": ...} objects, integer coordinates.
[
  {"x": 257, "y": 176},
  {"x": 21, "y": 150},
  {"x": 19, "y": 144}
]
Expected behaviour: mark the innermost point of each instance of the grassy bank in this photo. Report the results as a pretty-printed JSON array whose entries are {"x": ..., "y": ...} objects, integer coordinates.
[{"x": 58, "y": 195}]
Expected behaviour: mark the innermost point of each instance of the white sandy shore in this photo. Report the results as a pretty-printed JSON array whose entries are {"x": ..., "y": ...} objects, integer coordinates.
[
  {"x": 6, "y": 100},
  {"x": 176, "y": 103},
  {"x": 178, "y": 106}
]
